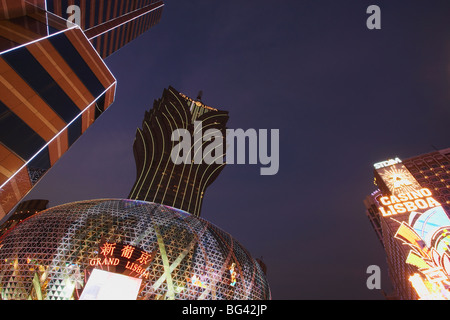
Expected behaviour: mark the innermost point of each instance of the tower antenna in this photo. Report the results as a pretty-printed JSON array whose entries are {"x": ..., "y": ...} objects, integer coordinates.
[{"x": 199, "y": 96}]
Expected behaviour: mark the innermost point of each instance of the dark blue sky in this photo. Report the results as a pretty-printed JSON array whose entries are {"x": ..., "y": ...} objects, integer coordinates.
[{"x": 342, "y": 96}]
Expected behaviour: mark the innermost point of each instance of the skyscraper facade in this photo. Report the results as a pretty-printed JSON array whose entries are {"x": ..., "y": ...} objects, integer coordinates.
[
  {"x": 410, "y": 215},
  {"x": 111, "y": 24},
  {"x": 158, "y": 178},
  {"x": 53, "y": 82}
]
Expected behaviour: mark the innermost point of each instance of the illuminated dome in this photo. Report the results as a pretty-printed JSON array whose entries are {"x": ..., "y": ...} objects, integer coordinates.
[{"x": 125, "y": 249}]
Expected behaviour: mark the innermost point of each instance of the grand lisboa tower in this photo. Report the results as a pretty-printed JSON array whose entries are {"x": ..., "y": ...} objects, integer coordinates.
[{"x": 125, "y": 249}]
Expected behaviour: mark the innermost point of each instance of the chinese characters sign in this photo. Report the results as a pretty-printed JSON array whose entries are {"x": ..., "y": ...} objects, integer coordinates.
[{"x": 122, "y": 258}]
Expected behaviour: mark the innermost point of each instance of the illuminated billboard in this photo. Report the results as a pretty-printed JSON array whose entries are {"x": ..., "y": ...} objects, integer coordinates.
[
  {"x": 407, "y": 202},
  {"x": 423, "y": 228},
  {"x": 396, "y": 179},
  {"x": 123, "y": 258}
]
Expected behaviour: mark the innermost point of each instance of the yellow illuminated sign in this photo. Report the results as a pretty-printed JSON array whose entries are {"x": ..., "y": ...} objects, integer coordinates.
[
  {"x": 407, "y": 202},
  {"x": 432, "y": 282},
  {"x": 398, "y": 179}
]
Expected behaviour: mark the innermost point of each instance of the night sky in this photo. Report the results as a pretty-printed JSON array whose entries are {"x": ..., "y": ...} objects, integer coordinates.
[{"x": 342, "y": 96}]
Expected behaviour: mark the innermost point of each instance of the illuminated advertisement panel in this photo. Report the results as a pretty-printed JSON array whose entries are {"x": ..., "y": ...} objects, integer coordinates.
[
  {"x": 397, "y": 179},
  {"x": 104, "y": 285},
  {"x": 423, "y": 228}
]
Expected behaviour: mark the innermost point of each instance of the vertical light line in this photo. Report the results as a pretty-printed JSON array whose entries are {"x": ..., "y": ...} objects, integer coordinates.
[
  {"x": 167, "y": 162},
  {"x": 150, "y": 163},
  {"x": 190, "y": 169},
  {"x": 143, "y": 166},
  {"x": 198, "y": 166},
  {"x": 185, "y": 124},
  {"x": 163, "y": 148},
  {"x": 170, "y": 157},
  {"x": 162, "y": 250},
  {"x": 203, "y": 188},
  {"x": 46, "y": 17}
]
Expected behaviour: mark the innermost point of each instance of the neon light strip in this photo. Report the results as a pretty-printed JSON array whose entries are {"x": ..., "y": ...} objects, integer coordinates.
[
  {"x": 37, "y": 40},
  {"x": 46, "y": 17},
  {"x": 98, "y": 55},
  {"x": 150, "y": 163},
  {"x": 48, "y": 31},
  {"x": 26, "y": 163},
  {"x": 145, "y": 161},
  {"x": 75, "y": 26},
  {"x": 162, "y": 5},
  {"x": 185, "y": 125},
  {"x": 160, "y": 160}
]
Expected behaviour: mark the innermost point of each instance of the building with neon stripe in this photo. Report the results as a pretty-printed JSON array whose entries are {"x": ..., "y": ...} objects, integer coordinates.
[
  {"x": 111, "y": 24},
  {"x": 410, "y": 213},
  {"x": 158, "y": 179},
  {"x": 54, "y": 83}
]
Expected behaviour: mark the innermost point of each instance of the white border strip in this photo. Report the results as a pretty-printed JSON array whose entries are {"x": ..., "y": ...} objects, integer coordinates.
[
  {"x": 36, "y": 40},
  {"x": 116, "y": 26}
]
